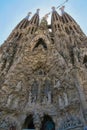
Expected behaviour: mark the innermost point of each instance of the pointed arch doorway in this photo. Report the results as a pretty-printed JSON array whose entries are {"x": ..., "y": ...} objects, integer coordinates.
[
  {"x": 47, "y": 123},
  {"x": 28, "y": 124}
]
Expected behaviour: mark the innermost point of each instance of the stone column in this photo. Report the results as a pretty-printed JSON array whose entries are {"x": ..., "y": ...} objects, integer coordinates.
[
  {"x": 36, "y": 120},
  {"x": 55, "y": 122}
]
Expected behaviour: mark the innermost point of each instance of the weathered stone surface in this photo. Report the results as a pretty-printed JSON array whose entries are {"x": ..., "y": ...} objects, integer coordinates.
[{"x": 44, "y": 73}]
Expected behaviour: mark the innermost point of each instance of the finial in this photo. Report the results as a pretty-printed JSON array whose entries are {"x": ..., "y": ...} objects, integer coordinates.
[
  {"x": 62, "y": 10},
  {"x": 28, "y": 15},
  {"x": 53, "y": 9},
  {"x": 46, "y": 16},
  {"x": 38, "y": 11}
]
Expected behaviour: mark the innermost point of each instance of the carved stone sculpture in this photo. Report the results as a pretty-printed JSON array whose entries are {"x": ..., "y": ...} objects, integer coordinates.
[{"x": 43, "y": 72}]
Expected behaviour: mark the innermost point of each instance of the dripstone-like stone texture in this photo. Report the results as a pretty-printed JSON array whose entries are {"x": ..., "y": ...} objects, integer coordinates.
[{"x": 43, "y": 75}]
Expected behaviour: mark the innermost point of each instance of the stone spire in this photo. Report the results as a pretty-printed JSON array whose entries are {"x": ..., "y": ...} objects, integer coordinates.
[
  {"x": 69, "y": 23},
  {"x": 43, "y": 76},
  {"x": 24, "y": 22},
  {"x": 34, "y": 22},
  {"x": 17, "y": 30},
  {"x": 35, "y": 18},
  {"x": 55, "y": 20}
]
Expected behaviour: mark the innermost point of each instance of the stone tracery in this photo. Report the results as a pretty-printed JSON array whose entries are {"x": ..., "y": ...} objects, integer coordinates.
[{"x": 43, "y": 79}]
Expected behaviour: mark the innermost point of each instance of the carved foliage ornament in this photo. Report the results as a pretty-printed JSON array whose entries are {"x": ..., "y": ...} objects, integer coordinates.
[
  {"x": 70, "y": 123},
  {"x": 7, "y": 124}
]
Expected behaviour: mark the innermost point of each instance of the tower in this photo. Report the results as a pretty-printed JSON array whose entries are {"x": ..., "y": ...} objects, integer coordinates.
[{"x": 43, "y": 75}]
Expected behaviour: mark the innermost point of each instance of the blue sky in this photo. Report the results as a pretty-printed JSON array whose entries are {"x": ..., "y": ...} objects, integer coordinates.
[{"x": 13, "y": 11}]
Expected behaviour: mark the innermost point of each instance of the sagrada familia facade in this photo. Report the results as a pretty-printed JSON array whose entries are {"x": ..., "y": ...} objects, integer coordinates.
[{"x": 43, "y": 75}]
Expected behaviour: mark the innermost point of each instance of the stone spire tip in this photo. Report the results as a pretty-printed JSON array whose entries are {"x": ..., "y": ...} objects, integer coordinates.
[
  {"x": 53, "y": 8},
  {"x": 62, "y": 10},
  {"x": 28, "y": 15},
  {"x": 38, "y": 10}
]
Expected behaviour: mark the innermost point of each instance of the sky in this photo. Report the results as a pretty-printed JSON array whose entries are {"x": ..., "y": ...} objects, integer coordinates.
[{"x": 13, "y": 11}]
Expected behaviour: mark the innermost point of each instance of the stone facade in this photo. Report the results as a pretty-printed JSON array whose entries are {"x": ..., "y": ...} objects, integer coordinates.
[{"x": 43, "y": 75}]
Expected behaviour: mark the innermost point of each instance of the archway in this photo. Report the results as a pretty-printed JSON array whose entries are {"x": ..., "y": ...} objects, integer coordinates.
[
  {"x": 28, "y": 124},
  {"x": 40, "y": 42},
  {"x": 47, "y": 123}
]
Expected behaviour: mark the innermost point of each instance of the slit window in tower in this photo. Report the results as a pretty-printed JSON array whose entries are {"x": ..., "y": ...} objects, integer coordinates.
[
  {"x": 35, "y": 20},
  {"x": 66, "y": 18},
  {"x": 56, "y": 16},
  {"x": 67, "y": 30},
  {"x": 71, "y": 29},
  {"x": 32, "y": 30},
  {"x": 29, "y": 29},
  {"x": 63, "y": 20},
  {"x": 53, "y": 17},
  {"x": 19, "y": 36},
  {"x": 21, "y": 25},
  {"x": 70, "y": 18},
  {"x": 25, "y": 24},
  {"x": 16, "y": 35},
  {"x": 76, "y": 29},
  {"x": 58, "y": 26},
  {"x": 55, "y": 27}
]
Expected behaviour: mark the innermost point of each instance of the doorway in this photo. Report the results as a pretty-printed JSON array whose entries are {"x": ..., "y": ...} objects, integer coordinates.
[
  {"x": 28, "y": 124},
  {"x": 47, "y": 123}
]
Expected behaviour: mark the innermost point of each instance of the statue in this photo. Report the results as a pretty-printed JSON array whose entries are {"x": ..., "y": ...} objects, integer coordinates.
[
  {"x": 49, "y": 97},
  {"x": 44, "y": 99},
  {"x": 9, "y": 100},
  {"x": 19, "y": 86},
  {"x": 65, "y": 99},
  {"x": 61, "y": 102},
  {"x": 30, "y": 98},
  {"x": 57, "y": 84}
]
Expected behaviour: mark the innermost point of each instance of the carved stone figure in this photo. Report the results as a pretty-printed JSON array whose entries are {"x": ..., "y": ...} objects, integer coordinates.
[
  {"x": 30, "y": 97},
  {"x": 42, "y": 72},
  {"x": 9, "y": 100},
  {"x": 57, "y": 84},
  {"x": 19, "y": 86},
  {"x": 61, "y": 101},
  {"x": 65, "y": 99},
  {"x": 49, "y": 97},
  {"x": 45, "y": 99}
]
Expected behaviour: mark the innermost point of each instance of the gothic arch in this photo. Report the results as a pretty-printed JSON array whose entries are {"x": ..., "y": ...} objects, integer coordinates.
[
  {"x": 40, "y": 42},
  {"x": 71, "y": 122},
  {"x": 35, "y": 41},
  {"x": 28, "y": 124},
  {"x": 47, "y": 123}
]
